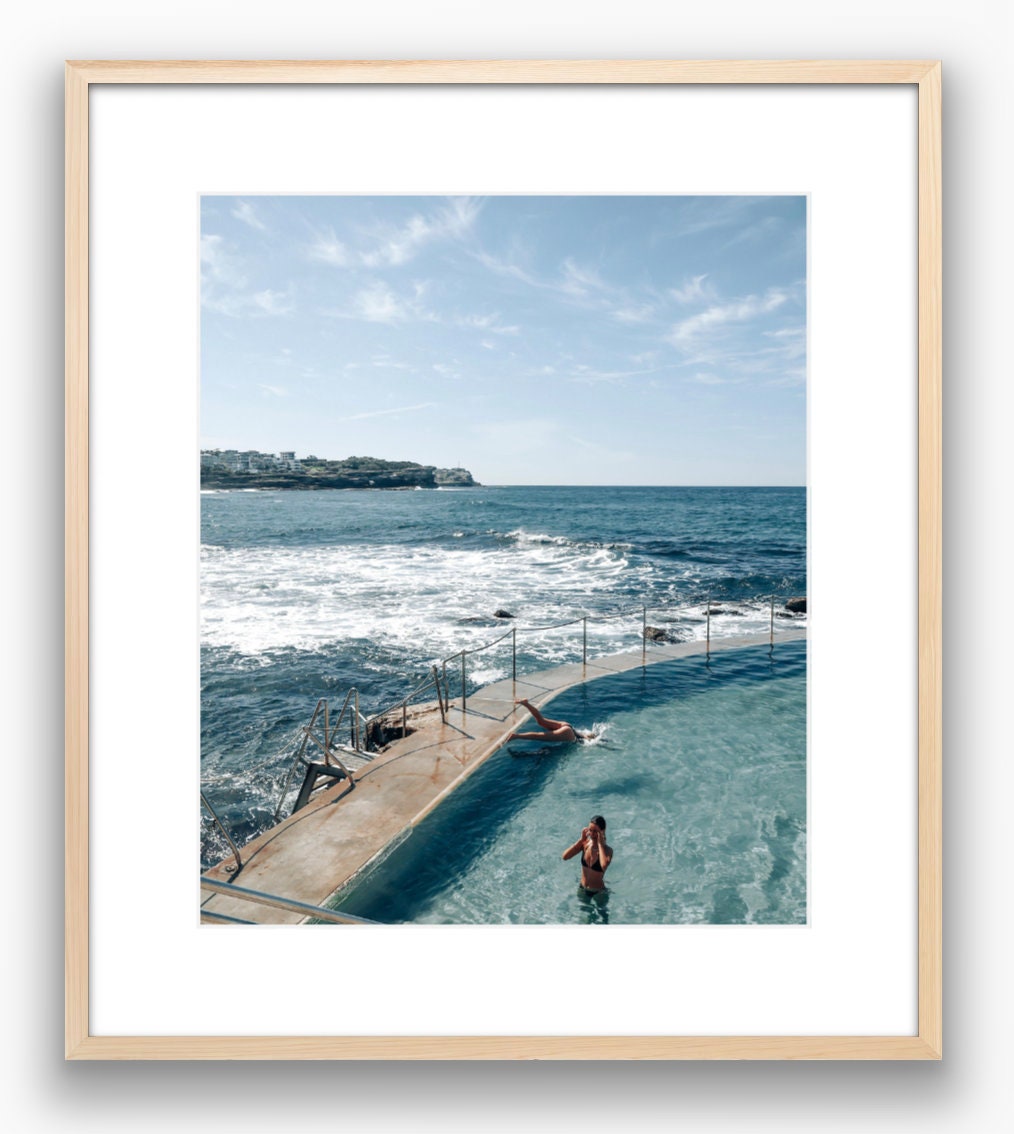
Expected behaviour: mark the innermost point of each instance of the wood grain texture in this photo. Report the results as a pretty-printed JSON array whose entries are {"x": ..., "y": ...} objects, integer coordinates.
[
  {"x": 566, "y": 1048},
  {"x": 80, "y": 1044},
  {"x": 503, "y": 71},
  {"x": 76, "y": 561},
  {"x": 930, "y": 563}
]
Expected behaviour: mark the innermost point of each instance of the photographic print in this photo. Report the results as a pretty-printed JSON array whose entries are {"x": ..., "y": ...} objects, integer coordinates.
[
  {"x": 584, "y": 709},
  {"x": 504, "y": 559}
]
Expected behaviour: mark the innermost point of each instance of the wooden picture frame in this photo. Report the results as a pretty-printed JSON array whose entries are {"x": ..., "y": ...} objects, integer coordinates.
[{"x": 926, "y": 1043}]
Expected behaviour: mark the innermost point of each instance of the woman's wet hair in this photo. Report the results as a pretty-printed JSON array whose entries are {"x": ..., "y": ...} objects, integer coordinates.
[{"x": 599, "y": 822}]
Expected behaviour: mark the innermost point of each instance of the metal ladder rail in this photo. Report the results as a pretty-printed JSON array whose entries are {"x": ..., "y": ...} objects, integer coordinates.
[
  {"x": 258, "y": 897},
  {"x": 228, "y": 838}
]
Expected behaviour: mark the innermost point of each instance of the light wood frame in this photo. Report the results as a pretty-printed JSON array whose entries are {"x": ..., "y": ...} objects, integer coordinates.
[{"x": 927, "y": 1043}]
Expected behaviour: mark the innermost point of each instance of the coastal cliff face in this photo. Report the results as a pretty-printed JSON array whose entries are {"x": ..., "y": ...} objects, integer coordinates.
[{"x": 353, "y": 472}]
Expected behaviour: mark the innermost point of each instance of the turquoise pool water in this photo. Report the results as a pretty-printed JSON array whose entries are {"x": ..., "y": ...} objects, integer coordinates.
[{"x": 700, "y": 773}]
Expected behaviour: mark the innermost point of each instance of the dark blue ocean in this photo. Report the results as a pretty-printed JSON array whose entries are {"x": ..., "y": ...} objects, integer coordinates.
[{"x": 306, "y": 594}]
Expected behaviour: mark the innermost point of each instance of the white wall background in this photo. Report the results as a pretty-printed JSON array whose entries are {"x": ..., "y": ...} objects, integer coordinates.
[{"x": 969, "y": 1090}]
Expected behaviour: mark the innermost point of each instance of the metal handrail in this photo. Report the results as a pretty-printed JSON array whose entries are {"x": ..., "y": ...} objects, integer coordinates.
[
  {"x": 258, "y": 897},
  {"x": 584, "y": 620},
  {"x": 432, "y": 681},
  {"x": 622, "y": 613},
  {"x": 221, "y": 826}
]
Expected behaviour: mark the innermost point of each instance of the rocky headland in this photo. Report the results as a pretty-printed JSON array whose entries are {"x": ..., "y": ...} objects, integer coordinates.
[{"x": 352, "y": 472}]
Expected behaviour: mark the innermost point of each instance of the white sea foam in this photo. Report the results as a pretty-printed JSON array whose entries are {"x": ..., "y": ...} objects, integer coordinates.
[
  {"x": 437, "y": 601},
  {"x": 433, "y": 602}
]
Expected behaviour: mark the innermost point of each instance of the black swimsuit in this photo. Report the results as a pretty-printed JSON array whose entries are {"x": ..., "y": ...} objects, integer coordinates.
[{"x": 588, "y": 866}]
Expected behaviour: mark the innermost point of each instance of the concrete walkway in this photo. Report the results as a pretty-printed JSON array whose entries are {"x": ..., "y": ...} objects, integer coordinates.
[{"x": 345, "y": 828}]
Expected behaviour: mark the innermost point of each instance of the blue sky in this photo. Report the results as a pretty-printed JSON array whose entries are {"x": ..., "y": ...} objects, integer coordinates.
[{"x": 532, "y": 340}]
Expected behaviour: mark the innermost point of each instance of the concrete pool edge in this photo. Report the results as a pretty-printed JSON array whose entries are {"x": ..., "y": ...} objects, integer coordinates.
[{"x": 345, "y": 833}]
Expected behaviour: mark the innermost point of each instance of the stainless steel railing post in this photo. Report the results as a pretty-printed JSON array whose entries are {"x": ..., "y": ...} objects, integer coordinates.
[
  {"x": 644, "y": 635},
  {"x": 772, "y": 622},
  {"x": 464, "y": 706},
  {"x": 440, "y": 696},
  {"x": 514, "y": 654}
]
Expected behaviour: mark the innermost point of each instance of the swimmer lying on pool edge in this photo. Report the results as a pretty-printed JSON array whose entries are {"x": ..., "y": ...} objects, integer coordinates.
[{"x": 554, "y": 730}]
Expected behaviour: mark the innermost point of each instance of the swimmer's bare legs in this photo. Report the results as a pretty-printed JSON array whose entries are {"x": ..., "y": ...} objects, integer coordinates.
[
  {"x": 540, "y": 720},
  {"x": 555, "y": 730}
]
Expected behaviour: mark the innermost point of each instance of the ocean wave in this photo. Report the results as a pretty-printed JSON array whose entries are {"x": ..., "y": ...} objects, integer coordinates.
[
  {"x": 431, "y": 602},
  {"x": 257, "y": 599},
  {"x": 522, "y": 537}
]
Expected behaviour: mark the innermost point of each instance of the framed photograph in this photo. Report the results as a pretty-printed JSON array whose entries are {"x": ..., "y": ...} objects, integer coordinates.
[{"x": 503, "y": 535}]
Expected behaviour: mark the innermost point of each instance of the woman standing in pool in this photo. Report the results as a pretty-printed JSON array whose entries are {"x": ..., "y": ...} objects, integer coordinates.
[
  {"x": 595, "y": 854},
  {"x": 555, "y": 730}
]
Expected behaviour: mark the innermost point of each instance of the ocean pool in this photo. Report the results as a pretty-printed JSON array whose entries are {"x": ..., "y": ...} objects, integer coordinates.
[{"x": 700, "y": 772}]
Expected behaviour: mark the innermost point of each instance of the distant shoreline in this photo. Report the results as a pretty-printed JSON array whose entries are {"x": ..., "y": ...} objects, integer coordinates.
[
  {"x": 355, "y": 472},
  {"x": 244, "y": 485}
]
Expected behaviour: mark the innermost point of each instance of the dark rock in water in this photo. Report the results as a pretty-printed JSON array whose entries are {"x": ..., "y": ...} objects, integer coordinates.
[
  {"x": 658, "y": 634},
  {"x": 726, "y": 610},
  {"x": 796, "y": 605},
  {"x": 471, "y": 620},
  {"x": 502, "y": 614},
  {"x": 783, "y": 614}
]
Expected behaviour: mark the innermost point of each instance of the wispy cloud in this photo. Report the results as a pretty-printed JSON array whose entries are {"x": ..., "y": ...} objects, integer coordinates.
[
  {"x": 710, "y": 213},
  {"x": 393, "y": 246},
  {"x": 707, "y": 379},
  {"x": 752, "y": 233},
  {"x": 218, "y": 266},
  {"x": 580, "y": 281},
  {"x": 491, "y": 323},
  {"x": 225, "y": 286},
  {"x": 275, "y": 391},
  {"x": 270, "y": 302},
  {"x": 503, "y": 267},
  {"x": 693, "y": 290},
  {"x": 386, "y": 362},
  {"x": 787, "y": 342},
  {"x": 246, "y": 213},
  {"x": 378, "y": 303},
  {"x": 574, "y": 282},
  {"x": 739, "y": 311},
  {"x": 590, "y": 375},
  {"x": 389, "y": 412},
  {"x": 629, "y": 314}
]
